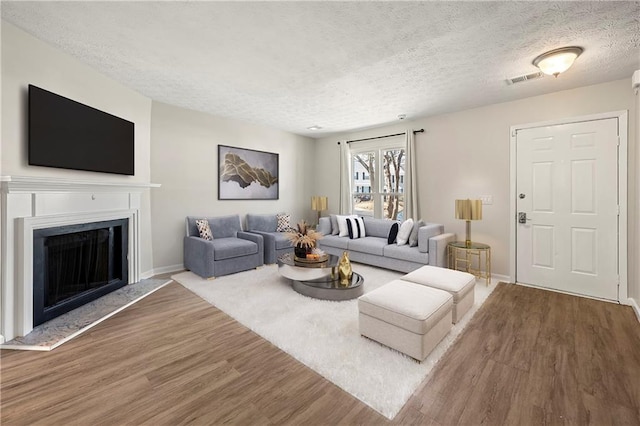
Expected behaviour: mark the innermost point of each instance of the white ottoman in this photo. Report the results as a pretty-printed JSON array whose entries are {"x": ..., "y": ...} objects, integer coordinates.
[
  {"x": 408, "y": 317},
  {"x": 460, "y": 284}
]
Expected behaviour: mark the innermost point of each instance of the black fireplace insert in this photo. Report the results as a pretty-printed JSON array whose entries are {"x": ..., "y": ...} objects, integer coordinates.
[{"x": 76, "y": 264}]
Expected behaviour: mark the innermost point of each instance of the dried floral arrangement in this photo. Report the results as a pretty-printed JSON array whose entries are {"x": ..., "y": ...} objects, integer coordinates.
[{"x": 303, "y": 236}]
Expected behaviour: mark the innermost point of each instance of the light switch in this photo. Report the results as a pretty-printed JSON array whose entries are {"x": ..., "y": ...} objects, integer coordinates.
[{"x": 486, "y": 199}]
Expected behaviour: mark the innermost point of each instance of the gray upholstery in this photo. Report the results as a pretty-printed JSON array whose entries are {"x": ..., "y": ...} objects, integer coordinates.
[
  {"x": 377, "y": 227},
  {"x": 232, "y": 250},
  {"x": 374, "y": 250},
  {"x": 275, "y": 243}
]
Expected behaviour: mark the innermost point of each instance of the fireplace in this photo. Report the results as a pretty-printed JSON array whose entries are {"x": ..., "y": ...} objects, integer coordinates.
[
  {"x": 31, "y": 204},
  {"x": 75, "y": 264}
]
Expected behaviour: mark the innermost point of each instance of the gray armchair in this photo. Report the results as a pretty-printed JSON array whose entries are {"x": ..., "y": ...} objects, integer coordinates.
[
  {"x": 232, "y": 250},
  {"x": 275, "y": 243}
]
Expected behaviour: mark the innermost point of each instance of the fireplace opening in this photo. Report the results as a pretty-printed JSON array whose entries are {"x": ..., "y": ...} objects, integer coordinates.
[{"x": 76, "y": 264}]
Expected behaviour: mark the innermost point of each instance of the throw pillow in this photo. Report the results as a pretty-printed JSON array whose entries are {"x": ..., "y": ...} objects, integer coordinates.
[
  {"x": 284, "y": 222},
  {"x": 355, "y": 226},
  {"x": 342, "y": 225},
  {"x": 405, "y": 231},
  {"x": 334, "y": 224},
  {"x": 393, "y": 233},
  {"x": 413, "y": 238},
  {"x": 204, "y": 229}
]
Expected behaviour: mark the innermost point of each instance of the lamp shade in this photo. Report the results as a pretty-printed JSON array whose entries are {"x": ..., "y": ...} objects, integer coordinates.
[
  {"x": 469, "y": 209},
  {"x": 557, "y": 61},
  {"x": 319, "y": 203}
]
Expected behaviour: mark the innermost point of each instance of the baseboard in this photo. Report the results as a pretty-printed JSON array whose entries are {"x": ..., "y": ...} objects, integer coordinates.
[
  {"x": 162, "y": 270},
  {"x": 635, "y": 306},
  {"x": 496, "y": 278},
  {"x": 1, "y": 339}
]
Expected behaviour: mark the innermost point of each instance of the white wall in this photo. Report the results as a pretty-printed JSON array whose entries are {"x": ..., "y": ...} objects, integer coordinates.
[
  {"x": 466, "y": 154},
  {"x": 26, "y": 60},
  {"x": 184, "y": 159}
]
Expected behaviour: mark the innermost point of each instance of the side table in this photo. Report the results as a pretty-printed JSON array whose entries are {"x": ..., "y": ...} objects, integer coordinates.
[{"x": 474, "y": 258}]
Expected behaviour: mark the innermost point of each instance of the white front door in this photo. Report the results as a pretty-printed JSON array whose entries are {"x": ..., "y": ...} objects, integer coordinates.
[{"x": 567, "y": 186}]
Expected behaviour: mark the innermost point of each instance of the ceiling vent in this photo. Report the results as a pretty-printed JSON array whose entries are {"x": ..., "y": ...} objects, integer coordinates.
[{"x": 523, "y": 78}]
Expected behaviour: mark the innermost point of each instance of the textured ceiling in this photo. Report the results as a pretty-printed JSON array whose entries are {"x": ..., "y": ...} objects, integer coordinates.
[{"x": 340, "y": 65}]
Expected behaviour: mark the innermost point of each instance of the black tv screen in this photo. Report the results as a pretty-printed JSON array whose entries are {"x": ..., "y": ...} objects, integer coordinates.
[{"x": 70, "y": 135}]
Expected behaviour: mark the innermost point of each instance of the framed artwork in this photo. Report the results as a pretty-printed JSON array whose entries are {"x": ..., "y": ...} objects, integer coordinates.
[{"x": 246, "y": 174}]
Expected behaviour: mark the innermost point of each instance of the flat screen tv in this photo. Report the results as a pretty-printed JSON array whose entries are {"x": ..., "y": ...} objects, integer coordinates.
[{"x": 70, "y": 135}]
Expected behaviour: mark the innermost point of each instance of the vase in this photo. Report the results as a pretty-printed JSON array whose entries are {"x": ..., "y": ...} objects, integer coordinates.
[
  {"x": 301, "y": 251},
  {"x": 344, "y": 269}
]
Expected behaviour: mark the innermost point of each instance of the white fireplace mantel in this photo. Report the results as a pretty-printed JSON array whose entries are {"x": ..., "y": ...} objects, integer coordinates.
[
  {"x": 30, "y": 203},
  {"x": 15, "y": 184}
]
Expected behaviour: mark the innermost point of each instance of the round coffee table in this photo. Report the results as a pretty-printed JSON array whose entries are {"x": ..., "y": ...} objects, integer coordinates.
[{"x": 319, "y": 280}]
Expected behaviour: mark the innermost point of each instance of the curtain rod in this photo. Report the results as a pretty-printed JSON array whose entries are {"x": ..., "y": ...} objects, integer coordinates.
[{"x": 385, "y": 136}]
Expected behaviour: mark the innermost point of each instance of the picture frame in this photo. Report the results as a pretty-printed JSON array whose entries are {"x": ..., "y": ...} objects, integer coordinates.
[{"x": 247, "y": 174}]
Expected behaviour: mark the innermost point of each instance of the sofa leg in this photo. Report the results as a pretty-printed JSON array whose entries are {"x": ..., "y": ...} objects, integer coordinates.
[{"x": 211, "y": 278}]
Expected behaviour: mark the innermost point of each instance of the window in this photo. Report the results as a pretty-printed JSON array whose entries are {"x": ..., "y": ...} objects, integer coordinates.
[{"x": 383, "y": 168}]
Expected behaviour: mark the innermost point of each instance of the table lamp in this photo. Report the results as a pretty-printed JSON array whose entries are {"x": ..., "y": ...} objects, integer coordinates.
[
  {"x": 468, "y": 210},
  {"x": 319, "y": 203}
]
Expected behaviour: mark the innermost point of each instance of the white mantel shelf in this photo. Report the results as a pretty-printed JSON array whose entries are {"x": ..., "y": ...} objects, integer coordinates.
[{"x": 16, "y": 184}]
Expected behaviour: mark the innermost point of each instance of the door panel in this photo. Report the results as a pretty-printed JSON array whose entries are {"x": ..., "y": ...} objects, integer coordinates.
[{"x": 567, "y": 185}]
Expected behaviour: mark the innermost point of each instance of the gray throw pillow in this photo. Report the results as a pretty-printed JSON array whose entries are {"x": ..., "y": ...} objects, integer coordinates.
[
  {"x": 413, "y": 238},
  {"x": 334, "y": 224}
]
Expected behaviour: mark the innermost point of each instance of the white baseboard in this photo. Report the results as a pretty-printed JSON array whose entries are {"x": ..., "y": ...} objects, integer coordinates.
[
  {"x": 1, "y": 339},
  {"x": 635, "y": 306},
  {"x": 162, "y": 270},
  {"x": 496, "y": 278}
]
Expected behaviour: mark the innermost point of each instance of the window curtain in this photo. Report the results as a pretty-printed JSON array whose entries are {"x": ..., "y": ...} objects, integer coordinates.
[
  {"x": 345, "y": 181},
  {"x": 411, "y": 187}
]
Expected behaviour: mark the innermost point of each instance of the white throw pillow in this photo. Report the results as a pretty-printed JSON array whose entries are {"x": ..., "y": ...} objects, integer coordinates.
[
  {"x": 342, "y": 225},
  {"x": 405, "y": 231},
  {"x": 355, "y": 226}
]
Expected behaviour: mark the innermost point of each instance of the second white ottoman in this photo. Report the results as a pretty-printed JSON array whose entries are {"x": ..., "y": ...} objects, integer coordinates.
[
  {"x": 460, "y": 284},
  {"x": 408, "y": 317}
]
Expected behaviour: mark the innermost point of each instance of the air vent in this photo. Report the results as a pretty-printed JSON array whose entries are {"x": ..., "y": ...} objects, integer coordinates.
[{"x": 523, "y": 78}]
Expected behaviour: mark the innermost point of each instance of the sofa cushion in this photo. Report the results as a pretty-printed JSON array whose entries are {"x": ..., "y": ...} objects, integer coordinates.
[
  {"x": 378, "y": 227},
  {"x": 355, "y": 226},
  {"x": 405, "y": 231},
  {"x": 204, "y": 230},
  {"x": 342, "y": 224},
  {"x": 404, "y": 252},
  {"x": 334, "y": 224},
  {"x": 225, "y": 226},
  {"x": 334, "y": 241},
  {"x": 413, "y": 238},
  {"x": 227, "y": 248},
  {"x": 393, "y": 233},
  {"x": 262, "y": 222},
  {"x": 370, "y": 245},
  {"x": 283, "y": 222}
]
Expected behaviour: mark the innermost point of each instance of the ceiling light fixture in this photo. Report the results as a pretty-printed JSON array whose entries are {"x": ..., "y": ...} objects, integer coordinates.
[
  {"x": 314, "y": 127},
  {"x": 557, "y": 61}
]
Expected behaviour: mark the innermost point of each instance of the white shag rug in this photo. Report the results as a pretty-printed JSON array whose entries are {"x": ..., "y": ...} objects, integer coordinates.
[{"x": 324, "y": 334}]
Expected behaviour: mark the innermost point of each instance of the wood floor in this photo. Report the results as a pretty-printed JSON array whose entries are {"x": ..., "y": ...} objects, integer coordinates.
[{"x": 527, "y": 357}]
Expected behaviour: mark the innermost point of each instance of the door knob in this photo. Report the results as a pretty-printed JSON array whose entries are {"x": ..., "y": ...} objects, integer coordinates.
[{"x": 522, "y": 217}]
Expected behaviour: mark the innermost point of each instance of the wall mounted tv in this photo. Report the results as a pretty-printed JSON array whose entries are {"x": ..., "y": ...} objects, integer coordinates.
[{"x": 70, "y": 135}]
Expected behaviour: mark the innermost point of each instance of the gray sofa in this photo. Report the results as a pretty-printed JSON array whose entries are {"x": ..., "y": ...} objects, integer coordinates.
[
  {"x": 275, "y": 243},
  {"x": 232, "y": 250},
  {"x": 375, "y": 250}
]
